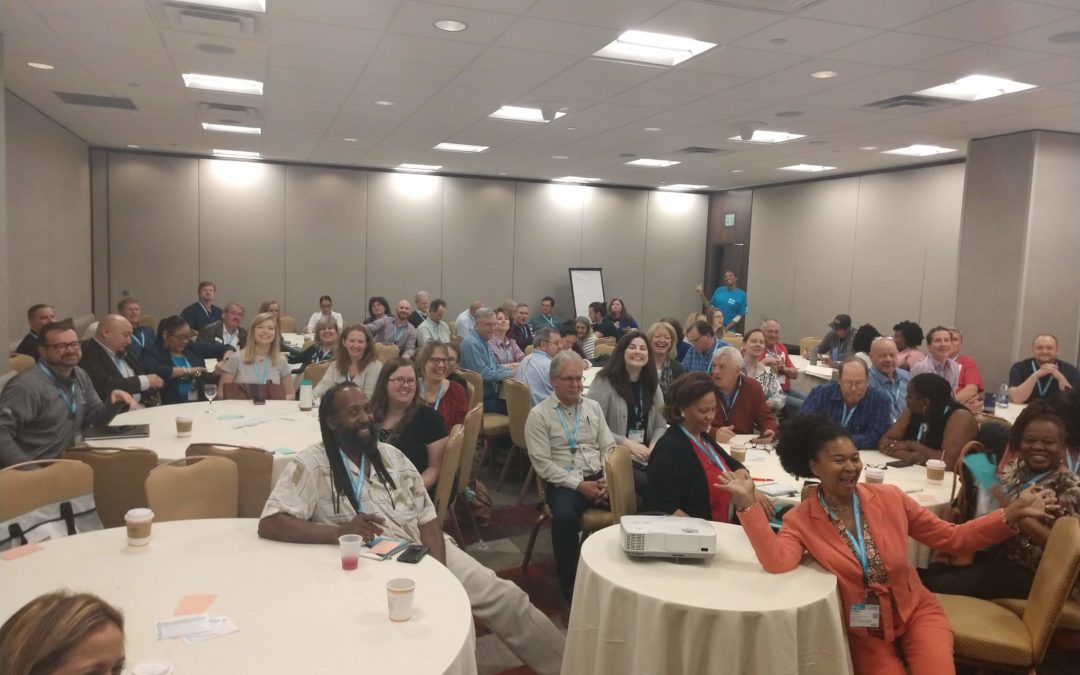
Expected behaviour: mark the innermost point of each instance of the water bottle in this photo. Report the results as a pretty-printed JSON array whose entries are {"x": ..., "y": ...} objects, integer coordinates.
[
  {"x": 306, "y": 402},
  {"x": 1003, "y": 396}
]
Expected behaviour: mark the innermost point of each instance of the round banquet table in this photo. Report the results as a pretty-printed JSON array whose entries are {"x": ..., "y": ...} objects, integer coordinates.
[
  {"x": 278, "y": 426},
  {"x": 765, "y": 464},
  {"x": 297, "y": 611},
  {"x": 723, "y": 615}
]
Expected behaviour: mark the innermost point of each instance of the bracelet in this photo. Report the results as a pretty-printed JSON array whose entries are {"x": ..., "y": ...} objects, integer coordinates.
[
  {"x": 1011, "y": 526},
  {"x": 748, "y": 508}
]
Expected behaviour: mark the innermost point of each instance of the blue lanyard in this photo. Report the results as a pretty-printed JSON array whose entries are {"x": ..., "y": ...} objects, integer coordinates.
[
  {"x": 141, "y": 339},
  {"x": 572, "y": 440},
  {"x": 858, "y": 546},
  {"x": 1025, "y": 485},
  {"x": 734, "y": 397},
  {"x": 846, "y": 416},
  {"x": 1043, "y": 388},
  {"x": 639, "y": 407},
  {"x": 1074, "y": 465},
  {"x": 921, "y": 432},
  {"x": 550, "y": 321},
  {"x": 209, "y": 313},
  {"x": 69, "y": 397},
  {"x": 262, "y": 375},
  {"x": 706, "y": 449},
  {"x": 397, "y": 332},
  {"x": 438, "y": 396},
  {"x": 357, "y": 486}
]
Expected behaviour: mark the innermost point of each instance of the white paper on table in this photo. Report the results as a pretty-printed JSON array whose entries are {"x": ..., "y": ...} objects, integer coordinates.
[
  {"x": 250, "y": 422},
  {"x": 756, "y": 455},
  {"x": 219, "y": 625},
  {"x": 778, "y": 489},
  {"x": 181, "y": 626}
]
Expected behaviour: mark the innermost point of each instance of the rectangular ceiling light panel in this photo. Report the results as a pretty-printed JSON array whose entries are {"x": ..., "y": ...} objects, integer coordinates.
[{"x": 232, "y": 85}]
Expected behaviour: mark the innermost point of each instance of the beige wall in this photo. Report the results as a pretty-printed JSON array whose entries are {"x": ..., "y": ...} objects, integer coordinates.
[
  {"x": 48, "y": 217},
  {"x": 291, "y": 232},
  {"x": 881, "y": 247}
]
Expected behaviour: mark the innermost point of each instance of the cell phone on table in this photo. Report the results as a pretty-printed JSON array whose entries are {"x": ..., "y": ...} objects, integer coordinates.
[
  {"x": 414, "y": 553},
  {"x": 899, "y": 463}
]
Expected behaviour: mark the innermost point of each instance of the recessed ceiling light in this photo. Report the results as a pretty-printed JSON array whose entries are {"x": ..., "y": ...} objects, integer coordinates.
[
  {"x": 133, "y": 146},
  {"x": 919, "y": 150},
  {"x": 869, "y": 147},
  {"x": 824, "y": 74},
  {"x": 736, "y": 171},
  {"x": 461, "y": 147},
  {"x": 520, "y": 114},
  {"x": 778, "y": 41},
  {"x": 575, "y": 179},
  {"x": 40, "y": 66},
  {"x": 571, "y": 128},
  {"x": 976, "y": 88},
  {"x": 683, "y": 186},
  {"x": 450, "y": 25},
  {"x": 810, "y": 168},
  {"x": 653, "y": 129},
  {"x": 384, "y": 102},
  {"x": 653, "y": 48},
  {"x": 244, "y": 5},
  {"x": 231, "y": 128},
  {"x": 559, "y": 157},
  {"x": 418, "y": 168},
  {"x": 501, "y": 173},
  {"x": 233, "y": 85},
  {"x": 352, "y": 140},
  {"x": 236, "y": 154},
  {"x": 656, "y": 163},
  {"x": 766, "y": 136}
]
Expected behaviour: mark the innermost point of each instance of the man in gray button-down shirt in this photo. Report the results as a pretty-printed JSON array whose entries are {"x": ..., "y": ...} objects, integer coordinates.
[{"x": 45, "y": 409}]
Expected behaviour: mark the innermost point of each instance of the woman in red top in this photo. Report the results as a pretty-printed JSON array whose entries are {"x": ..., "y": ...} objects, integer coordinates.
[
  {"x": 448, "y": 398},
  {"x": 860, "y": 534}
]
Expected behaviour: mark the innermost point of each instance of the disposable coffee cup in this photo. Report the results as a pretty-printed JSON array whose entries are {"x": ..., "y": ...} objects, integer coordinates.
[
  {"x": 399, "y": 598},
  {"x": 153, "y": 667},
  {"x": 738, "y": 453},
  {"x": 183, "y": 426},
  {"x": 139, "y": 522},
  {"x": 935, "y": 471},
  {"x": 874, "y": 475},
  {"x": 350, "y": 546}
]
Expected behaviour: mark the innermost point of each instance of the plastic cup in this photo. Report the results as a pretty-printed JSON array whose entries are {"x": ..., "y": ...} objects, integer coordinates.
[
  {"x": 738, "y": 453},
  {"x": 139, "y": 522},
  {"x": 935, "y": 471},
  {"x": 399, "y": 598},
  {"x": 183, "y": 426},
  {"x": 874, "y": 474},
  {"x": 350, "y": 546}
]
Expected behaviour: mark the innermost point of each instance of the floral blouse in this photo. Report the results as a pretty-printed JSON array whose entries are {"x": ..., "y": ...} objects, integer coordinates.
[
  {"x": 878, "y": 573},
  {"x": 1020, "y": 550},
  {"x": 770, "y": 385}
]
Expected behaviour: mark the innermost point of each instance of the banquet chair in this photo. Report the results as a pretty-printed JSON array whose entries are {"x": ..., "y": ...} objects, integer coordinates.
[
  {"x": 471, "y": 436},
  {"x": 254, "y": 468},
  {"x": 606, "y": 340},
  {"x": 287, "y": 324},
  {"x": 528, "y": 350},
  {"x": 989, "y": 635},
  {"x": 315, "y": 371},
  {"x": 449, "y": 471},
  {"x": 51, "y": 481},
  {"x": 456, "y": 339},
  {"x": 386, "y": 352},
  {"x": 119, "y": 478},
  {"x": 518, "y": 405},
  {"x": 492, "y": 425},
  {"x": 603, "y": 349},
  {"x": 148, "y": 321},
  {"x": 735, "y": 341},
  {"x": 808, "y": 343},
  {"x": 20, "y": 362},
  {"x": 193, "y": 488},
  {"x": 619, "y": 471}
]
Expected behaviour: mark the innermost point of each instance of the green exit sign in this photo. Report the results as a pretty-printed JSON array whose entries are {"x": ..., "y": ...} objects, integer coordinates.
[{"x": 729, "y": 220}]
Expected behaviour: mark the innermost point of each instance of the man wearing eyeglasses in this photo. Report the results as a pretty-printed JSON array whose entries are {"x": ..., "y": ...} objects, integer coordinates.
[
  {"x": 864, "y": 412},
  {"x": 535, "y": 369},
  {"x": 45, "y": 409},
  {"x": 567, "y": 438}
]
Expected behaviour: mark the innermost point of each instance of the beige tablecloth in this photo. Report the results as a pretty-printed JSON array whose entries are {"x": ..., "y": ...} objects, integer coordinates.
[
  {"x": 724, "y": 615},
  {"x": 297, "y": 610}
]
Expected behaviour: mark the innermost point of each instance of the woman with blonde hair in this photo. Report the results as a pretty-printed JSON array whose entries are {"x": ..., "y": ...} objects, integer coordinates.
[
  {"x": 586, "y": 339},
  {"x": 354, "y": 362},
  {"x": 261, "y": 360},
  {"x": 664, "y": 340},
  {"x": 63, "y": 633}
]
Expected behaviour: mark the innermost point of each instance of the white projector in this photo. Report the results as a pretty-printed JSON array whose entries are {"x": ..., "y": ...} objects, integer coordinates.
[{"x": 667, "y": 537}]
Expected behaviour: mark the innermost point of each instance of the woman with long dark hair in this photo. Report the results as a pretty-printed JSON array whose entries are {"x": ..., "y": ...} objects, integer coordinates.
[
  {"x": 618, "y": 321},
  {"x": 354, "y": 362},
  {"x": 405, "y": 423},
  {"x": 176, "y": 358},
  {"x": 933, "y": 426},
  {"x": 628, "y": 390}
]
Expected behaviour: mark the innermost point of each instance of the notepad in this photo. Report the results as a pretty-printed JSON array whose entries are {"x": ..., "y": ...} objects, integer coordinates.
[
  {"x": 381, "y": 548},
  {"x": 778, "y": 489}
]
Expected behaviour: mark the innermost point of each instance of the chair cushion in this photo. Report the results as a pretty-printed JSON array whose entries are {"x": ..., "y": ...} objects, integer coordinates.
[
  {"x": 496, "y": 425},
  {"x": 1070, "y": 613},
  {"x": 986, "y": 632},
  {"x": 595, "y": 519}
]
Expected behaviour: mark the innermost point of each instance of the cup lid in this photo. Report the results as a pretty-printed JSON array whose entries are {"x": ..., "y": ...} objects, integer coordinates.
[
  {"x": 936, "y": 463},
  {"x": 873, "y": 470},
  {"x": 152, "y": 667},
  {"x": 140, "y": 513}
]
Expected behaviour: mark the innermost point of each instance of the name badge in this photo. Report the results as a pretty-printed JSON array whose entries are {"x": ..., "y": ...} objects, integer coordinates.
[
  {"x": 865, "y": 616},
  {"x": 636, "y": 435}
]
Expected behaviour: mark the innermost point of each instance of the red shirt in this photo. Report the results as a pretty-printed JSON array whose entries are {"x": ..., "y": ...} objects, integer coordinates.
[
  {"x": 969, "y": 373},
  {"x": 452, "y": 406},
  {"x": 719, "y": 500},
  {"x": 779, "y": 349},
  {"x": 747, "y": 411}
]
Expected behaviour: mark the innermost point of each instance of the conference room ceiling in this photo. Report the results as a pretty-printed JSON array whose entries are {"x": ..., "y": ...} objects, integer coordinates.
[{"x": 326, "y": 64}]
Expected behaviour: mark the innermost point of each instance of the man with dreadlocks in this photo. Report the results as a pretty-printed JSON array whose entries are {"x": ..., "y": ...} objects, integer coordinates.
[{"x": 352, "y": 484}]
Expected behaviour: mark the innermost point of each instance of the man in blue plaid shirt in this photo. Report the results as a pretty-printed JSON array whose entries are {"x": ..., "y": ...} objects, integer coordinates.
[
  {"x": 703, "y": 342},
  {"x": 864, "y": 412}
]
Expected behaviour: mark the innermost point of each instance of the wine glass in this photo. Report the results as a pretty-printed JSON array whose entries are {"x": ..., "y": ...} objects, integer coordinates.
[{"x": 210, "y": 391}]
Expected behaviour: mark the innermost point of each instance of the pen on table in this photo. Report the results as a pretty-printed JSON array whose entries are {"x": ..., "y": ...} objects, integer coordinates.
[
  {"x": 764, "y": 480},
  {"x": 912, "y": 491}
]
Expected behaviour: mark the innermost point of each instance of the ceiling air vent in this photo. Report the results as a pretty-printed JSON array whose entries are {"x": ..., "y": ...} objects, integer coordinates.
[
  {"x": 212, "y": 20},
  {"x": 700, "y": 150},
  {"x": 229, "y": 109},
  {"x": 773, "y": 6},
  {"x": 96, "y": 101},
  {"x": 910, "y": 101}
]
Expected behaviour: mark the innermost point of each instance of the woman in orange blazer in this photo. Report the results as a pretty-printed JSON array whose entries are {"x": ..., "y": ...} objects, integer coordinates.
[{"x": 890, "y": 616}]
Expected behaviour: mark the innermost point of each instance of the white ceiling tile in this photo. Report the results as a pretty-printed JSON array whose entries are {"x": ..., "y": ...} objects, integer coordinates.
[
  {"x": 600, "y": 70},
  {"x": 115, "y": 10},
  {"x": 104, "y": 32},
  {"x": 618, "y": 14},
  {"x": 411, "y": 71},
  {"x": 771, "y": 92},
  {"x": 185, "y": 52},
  {"x": 693, "y": 82},
  {"x": 739, "y": 62},
  {"x": 291, "y": 33},
  {"x": 877, "y": 14},
  {"x": 559, "y": 37},
  {"x": 900, "y": 81},
  {"x": 711, "y": 23},
  {"x": 980, "y": 59},
  {"x": 523, "y": 62},
  {"x": 370, "y": 14},
  {"x": 507, "y": 6},
  {"x": 982, "y": 20},
  {"x": 418, "y": 19},
  {"x": 653, "y": 98},
  {"x": 295, "y": 77},
  {"x": 282, "y": 56},
  {"x": 427, "y": 50},
  {"x": 806, "y": 37},
  {"x": 511, "y": 86},
  {"x": 568, "y": 87},
  {"x": 1053, "y": 72},
  {"x": 847, "y": 72},
  {"x": 1038, "y": 39},
  {"x": 897, "y": 49}
]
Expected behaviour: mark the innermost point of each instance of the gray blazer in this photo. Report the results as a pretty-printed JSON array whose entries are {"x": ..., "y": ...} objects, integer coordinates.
[{"x": 616, "y": 414}]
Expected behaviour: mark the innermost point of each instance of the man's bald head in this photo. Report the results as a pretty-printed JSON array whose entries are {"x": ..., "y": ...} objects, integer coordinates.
[{"x": 114, "y": 331}]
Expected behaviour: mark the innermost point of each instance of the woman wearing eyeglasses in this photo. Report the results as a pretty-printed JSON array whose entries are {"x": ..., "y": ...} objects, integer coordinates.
[
  {"x": 177, "y": 360},
  {"x": 436, "y": 391},
  {"x": 416, "y": 430}
]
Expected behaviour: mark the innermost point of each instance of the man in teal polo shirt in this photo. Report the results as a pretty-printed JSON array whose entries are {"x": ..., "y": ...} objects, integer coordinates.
[{"x": 728, "y": 299}]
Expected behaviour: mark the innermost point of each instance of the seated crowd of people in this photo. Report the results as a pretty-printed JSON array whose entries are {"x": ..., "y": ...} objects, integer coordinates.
[{"x": 672, "y": 398}]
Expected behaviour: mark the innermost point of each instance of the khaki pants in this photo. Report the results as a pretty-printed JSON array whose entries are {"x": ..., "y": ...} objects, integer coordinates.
[{"x": 507, "y": 611}]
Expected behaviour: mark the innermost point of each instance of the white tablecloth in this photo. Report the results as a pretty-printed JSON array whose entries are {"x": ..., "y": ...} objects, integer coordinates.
[
  {"x": 282, "y": 429},
  {"x": 725, "y": 615},
  {"x": 1011, "y": 413},
  {"x": 297, "y": 610},
  {"x": 911, "y": 479}
]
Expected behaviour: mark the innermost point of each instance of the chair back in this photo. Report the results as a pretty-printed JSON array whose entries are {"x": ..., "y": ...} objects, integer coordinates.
[
  {"x": 193, "y": 488},
  {"x": 236, "y": 391},
  {"x": 619, "y": 472},
  {"x": 476, "y": 395},
  {"x": 606, "y": 340},
  {"x": 287, "y": 324},
  {"x": 119, "y": 478},
  {"x": 473, "y": 421},
  {"x": 1053, "y": 584},
  {"x": 54, "y": 480},
  {"x": 518, "y": 405},
  {"x": 528, "y": 350},
  {"x": 148, "y": 321},
  {"x": 735, "y": 341},
  {"x": 603, "y": 349},
  {"x": 20, "y": 362},
  {"x": 808, "y": 343},
  {"x": 315, "y": 371},
  {"x": 456, "y": 339},
  {"x": 452, "y": 323},
  {"x": 384, "y": 352},
  {"x": 254, "y": 467},
  {"x": 693, "y": 318},
  {"x": 449, "y": 471}
]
